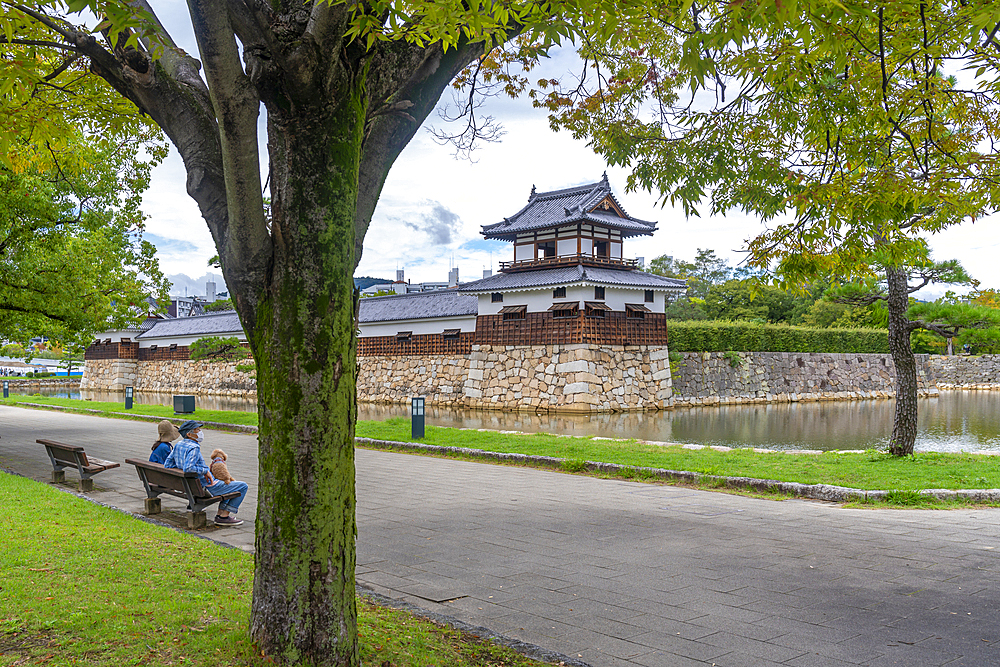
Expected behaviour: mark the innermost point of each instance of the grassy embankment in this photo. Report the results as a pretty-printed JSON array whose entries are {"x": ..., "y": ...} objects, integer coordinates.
[
  {"x": 83, "y": 584},
  {"x": 161, "y": 411},
  {"x": 868, "y": 470}
]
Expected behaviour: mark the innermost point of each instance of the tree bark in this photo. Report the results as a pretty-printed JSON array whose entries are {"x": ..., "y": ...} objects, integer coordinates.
[
  {"x": 904, "y": 423},
  {"x": 304, "y": 593},
  {"x": 338, "y": 116}
]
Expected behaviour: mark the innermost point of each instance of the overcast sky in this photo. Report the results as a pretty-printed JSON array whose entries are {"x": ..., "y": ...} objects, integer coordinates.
[{"x": 434, "y": 204}]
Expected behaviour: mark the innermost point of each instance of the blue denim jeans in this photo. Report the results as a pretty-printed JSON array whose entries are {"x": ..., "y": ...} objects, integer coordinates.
[{"x": 232, "y": 505}]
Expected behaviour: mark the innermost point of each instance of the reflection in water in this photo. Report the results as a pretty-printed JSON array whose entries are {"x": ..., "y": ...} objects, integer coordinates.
[
  {"x": 955, "y": 421},
  {"x": 205, "y": 402}
]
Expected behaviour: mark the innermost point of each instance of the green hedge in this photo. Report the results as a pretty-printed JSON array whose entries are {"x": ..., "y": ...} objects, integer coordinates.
[{"x": 702, "y": 336}]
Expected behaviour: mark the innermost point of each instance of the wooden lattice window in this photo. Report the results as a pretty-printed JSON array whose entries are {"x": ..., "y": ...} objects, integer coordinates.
[
  {"x": 497, "y": 297},
  {"x": 599, "y": 293},
  {"x": 636, "y": 311},
  {"x": 595, "y": 309},
  {"x": 559, "y": 293},
  {"x": 649, "y": 296},
  {"x": 451, "y": 334},
  {"x": 513, "y": 312},
  {"x": 560, "y": 310},
  {"x": 404, "y": 335}
]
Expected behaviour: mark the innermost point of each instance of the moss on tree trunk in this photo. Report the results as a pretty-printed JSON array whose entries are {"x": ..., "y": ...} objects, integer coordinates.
[
  {"x": 904, "y": 423},
  {"x": 304, "y": 594}
]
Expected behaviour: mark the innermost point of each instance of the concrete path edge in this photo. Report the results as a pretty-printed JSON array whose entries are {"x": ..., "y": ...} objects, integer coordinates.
[
  {"x": 523, "y": 648},
  {"x": 826, "y": 492}
]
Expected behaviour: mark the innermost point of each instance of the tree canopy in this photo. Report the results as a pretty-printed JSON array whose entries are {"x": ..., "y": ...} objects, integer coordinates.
[
  {"x": 72, "y": 257},
  {"x": 345, "y": 87}
]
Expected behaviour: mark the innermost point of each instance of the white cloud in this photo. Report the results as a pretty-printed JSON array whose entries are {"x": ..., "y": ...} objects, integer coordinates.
[{"x": 484, "y": 192}]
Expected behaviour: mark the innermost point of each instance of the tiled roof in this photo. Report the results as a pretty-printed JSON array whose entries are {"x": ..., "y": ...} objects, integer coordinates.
[
  {"x": 227, "y": 322},
  {"x": 568, "y": 275},
  {"x": 422, "y": 305},
  {"x": 562, "y": 207}
]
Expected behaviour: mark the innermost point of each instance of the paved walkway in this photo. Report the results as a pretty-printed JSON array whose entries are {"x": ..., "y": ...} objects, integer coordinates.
[{"x": 620, "y": 573}]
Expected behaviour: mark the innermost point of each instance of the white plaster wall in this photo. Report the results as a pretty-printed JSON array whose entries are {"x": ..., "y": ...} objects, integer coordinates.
[
  {"x": 166, "y": 341},
  {"x": 116, "y": 336},
  {"x": 424, "y": 326},
  {"x": 539, "y": 300}
]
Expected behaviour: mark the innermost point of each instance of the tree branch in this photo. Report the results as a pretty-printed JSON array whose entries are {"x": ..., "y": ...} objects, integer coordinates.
[
  {"x": 245, "y": 242},
  {"x": 428, "y": 71}
]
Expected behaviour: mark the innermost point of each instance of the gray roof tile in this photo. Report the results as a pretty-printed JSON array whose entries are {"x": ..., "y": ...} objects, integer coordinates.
[
  {"x": 227, "y": 322},
  {"x": 567, "y": 275},
  {"x": 571, "y": 205},
  {"x": 422, "y": 305}
]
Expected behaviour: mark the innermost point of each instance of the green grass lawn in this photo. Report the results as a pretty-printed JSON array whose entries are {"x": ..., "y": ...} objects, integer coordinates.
[
  {"x": 869, "y": 470},
  {"x": 163, "y": 411},
  {"x": 81, "y": 584}
]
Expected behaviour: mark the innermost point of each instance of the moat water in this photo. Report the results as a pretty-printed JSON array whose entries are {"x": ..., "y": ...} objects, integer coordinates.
[{"x": 955, "y": 421}]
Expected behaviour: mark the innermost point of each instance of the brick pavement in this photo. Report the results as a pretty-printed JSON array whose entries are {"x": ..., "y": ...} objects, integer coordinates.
[{"x": 621, "y": 573}]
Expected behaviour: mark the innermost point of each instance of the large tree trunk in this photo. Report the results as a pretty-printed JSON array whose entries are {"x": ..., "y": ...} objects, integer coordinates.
[
  {"x": 304, "y": 593},
  {"x": 904, "y": 423}
]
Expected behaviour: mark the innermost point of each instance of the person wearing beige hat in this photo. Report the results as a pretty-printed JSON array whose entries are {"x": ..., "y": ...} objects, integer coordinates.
[{"x": 162, "y": 447}]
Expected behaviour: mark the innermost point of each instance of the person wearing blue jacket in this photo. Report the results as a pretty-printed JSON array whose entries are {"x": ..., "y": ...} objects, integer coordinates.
[
  {"x": 186, "y": 456},
  {"x": 162, "y": 447}
]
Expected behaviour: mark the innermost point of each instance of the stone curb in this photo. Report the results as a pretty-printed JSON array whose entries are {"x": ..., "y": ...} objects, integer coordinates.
[
  {"x": 528, "y": 650},
  {"x": 826, "y": 492}
]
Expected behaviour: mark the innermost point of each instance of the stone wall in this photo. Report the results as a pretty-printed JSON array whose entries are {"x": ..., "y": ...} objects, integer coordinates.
[
  {"x": 71, "y": 381},
  {"x": 571, "y": 378},
  {"x": 109, "y": 374},
  {"x": 964, "y": 372},
  {"x": 577, "y": 378},
  {"x": 721, "y": 378},
  {"x": 173, "y": 377}
]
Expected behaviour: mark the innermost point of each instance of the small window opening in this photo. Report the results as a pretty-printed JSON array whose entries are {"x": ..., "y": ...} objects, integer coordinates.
[
  {"x": 649, "y": 296},
  {"x": 559, "y": 293},
  {"x": 599, "y": 293},
  {"x": 595, "y": 309},
  {"x": 562, "y": 310},
  {"x": 497, "y": 297},
  {"x": 513, "y": 312}
]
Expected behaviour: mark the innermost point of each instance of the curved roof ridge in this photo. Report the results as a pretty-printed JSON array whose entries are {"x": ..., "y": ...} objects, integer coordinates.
[
  {"x": 544, "y": 209},
  {"x": 577, "y": 189}
]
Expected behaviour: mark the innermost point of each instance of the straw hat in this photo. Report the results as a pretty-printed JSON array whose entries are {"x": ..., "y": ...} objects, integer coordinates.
[{"x": 168, "y": 432}]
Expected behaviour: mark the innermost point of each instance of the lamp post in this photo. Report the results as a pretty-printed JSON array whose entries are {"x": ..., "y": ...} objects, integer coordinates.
[{"x": 417, "y": 418}]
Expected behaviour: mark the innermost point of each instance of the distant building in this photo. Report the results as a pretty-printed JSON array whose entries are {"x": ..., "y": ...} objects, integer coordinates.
[
  {"x": 569, "y": 282},
  {"x": 569, "y": 323},
  {"x": 402, "y": 286},
  {"x": 189, "y": 306}
]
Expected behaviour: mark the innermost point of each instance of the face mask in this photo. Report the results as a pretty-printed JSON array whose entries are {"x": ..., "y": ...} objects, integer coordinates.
[{"x": 200, "y": 437}]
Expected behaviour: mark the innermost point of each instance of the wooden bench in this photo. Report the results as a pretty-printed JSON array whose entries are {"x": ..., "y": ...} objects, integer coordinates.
[
  {"x": 175, "y": 482},
  {"x": 69, "y": 456}
]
